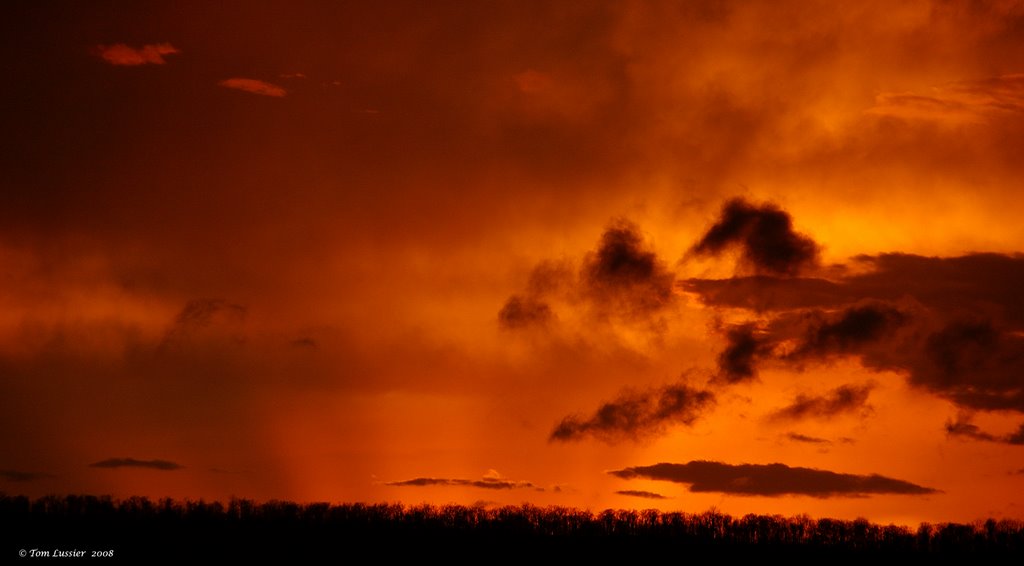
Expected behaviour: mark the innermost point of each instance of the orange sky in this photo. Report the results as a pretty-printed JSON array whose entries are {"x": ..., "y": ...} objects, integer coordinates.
[{"x": 496, "y": 251}]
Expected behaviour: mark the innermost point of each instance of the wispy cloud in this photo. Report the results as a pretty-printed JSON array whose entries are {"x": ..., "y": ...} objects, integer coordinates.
[
  {"x": 640, "y": 493},
  {"x": 636, "y": 415},
  {"x": 254, "y": 86},
  {"x": 491, "y": 480},
  {"x": 843, "y": 399},
  {"x": 956, "y": 102},
  {"x": 622, "y": 279},
  {"x": 962, "y": 427},
  {"x": 133, "y": 463},
  {"x": 125, "y": 55},
  {"x": 797, "y": 437}
]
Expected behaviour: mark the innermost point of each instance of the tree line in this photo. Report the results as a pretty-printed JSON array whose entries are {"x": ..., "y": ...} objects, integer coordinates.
[{"x": 168, "y": 529}]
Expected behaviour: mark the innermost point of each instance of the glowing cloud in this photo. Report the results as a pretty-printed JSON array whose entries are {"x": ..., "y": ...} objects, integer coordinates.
[
  {"x": 125, "y": 55},
  {"x": 254, "y": 86}
]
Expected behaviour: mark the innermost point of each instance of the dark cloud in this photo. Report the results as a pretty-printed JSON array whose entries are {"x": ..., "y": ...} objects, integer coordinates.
[
  {"x": 484, "y": 483},
  {"x": 20, "y": 476},
  {"x": 843, "y": 399},
  {"x": 621, "y": 259},
  {"x": 808, "y": 335},
  {"x": 521, "y": 312},
  {"x": 960, "y": 346},
  {"x": 768, "y": 293},
  {"x": 1016, "y": 437},
  {"x": 969, "y": 356},
  {"x": 736, "y": 362},
  {"x": 797, "y": 437},
  {"x": 962, "y": 427},
  {"x": 765, "y": 236},
  {"x": 636, "y": 415},
  {"x": 986, "y": 284},
  {"x": 623, "y": 272},
  {"x": 621, "y": 278},
  {"x": 642, "y": 494},
  {"x": 954, "y": 326},
  {"x": 849, "y": 331},
  {"x": 133, "y": 463},
  {"x": 974, "y": 363},
  {"x": 771, "y": 480}
]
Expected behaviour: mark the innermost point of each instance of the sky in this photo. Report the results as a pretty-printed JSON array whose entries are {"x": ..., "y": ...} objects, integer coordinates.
[{"x": 757, "y": 256}]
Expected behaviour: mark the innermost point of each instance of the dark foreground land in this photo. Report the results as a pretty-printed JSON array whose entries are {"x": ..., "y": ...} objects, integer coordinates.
[{"x": 139, "y": 530}]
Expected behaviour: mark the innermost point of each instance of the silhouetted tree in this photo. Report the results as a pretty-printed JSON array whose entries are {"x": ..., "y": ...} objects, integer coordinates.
[{"x": 139, "y": 529}]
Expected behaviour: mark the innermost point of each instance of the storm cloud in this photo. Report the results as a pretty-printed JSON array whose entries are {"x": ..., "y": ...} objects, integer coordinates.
[{"x": 771, "y": 480}]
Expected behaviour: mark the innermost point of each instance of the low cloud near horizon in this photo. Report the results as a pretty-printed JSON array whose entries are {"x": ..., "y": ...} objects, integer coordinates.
[
  {"x": 491, "y": 480},
  {"x": 771, "y": 480},
  {"x": 164, "y": 465}
]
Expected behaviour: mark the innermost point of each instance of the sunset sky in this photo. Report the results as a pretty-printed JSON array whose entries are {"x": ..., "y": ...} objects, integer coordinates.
[{"x": 763, "y": 256}]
